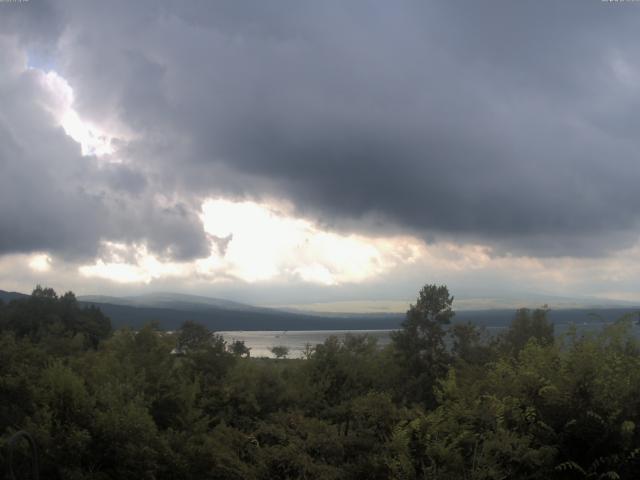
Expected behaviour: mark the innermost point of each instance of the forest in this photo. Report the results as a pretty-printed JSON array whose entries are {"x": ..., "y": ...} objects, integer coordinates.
[{"x": 444, "y": 400}]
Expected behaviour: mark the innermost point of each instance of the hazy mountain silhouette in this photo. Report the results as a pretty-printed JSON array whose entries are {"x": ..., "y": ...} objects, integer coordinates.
[{"x": 170, "y": 310}]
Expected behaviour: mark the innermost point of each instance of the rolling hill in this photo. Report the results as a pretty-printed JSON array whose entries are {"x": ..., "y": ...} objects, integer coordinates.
[{"x": 170, "y": 310}]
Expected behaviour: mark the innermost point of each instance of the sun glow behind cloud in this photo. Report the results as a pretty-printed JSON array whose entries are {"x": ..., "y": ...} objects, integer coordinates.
[
  {"x": 458, "y": 265},
  {"x": 92, "y": 139},
  {"x": 254, "y": 242},
  {"x": 264, "y": 242},
  {"x": 40, "y": 262},
  {"x": 268, "y": 242},
  {"x": 132, "y": 264}
]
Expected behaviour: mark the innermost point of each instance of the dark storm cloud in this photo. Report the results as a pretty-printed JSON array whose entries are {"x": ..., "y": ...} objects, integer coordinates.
[
  {"x": 505, "y": 122},
  {"x": 37, "y": 22},
  {"x": 37, "y": 209},
  {"x": 125, "y": 179},
  {"x": 53, "y": 199}
]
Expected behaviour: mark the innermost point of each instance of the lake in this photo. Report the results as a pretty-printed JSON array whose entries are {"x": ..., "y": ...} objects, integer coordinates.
[{"x": 261, "y": 342}]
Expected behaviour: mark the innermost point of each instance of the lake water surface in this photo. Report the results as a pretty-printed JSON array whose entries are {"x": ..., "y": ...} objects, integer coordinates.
[{"x": 261, "y": 342}]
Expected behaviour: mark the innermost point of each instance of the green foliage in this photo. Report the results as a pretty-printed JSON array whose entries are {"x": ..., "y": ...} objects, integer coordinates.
[
  {"x": 442, "y": 402},
  {"x": 525, "y": 326},
  {"x": 420, "y": 344},
  {"x": 470, "y": 344},
  {"x": 253, "y": 390},
  {"x": 342, "y": 370},
  {"x": 239, "y": 349},
  {"x": 58, "y": 323},
  {"x": 280, "y": 351},
  {"x": 193, "y": 336}
]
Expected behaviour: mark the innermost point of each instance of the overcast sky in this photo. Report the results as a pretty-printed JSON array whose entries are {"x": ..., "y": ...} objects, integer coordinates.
[{"x": 296, "y": 151}]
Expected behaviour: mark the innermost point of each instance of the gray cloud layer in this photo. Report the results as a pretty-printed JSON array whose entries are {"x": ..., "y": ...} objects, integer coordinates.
[
  {"x": 53, "y": 199},
  {"x": 511, "y": 123}
]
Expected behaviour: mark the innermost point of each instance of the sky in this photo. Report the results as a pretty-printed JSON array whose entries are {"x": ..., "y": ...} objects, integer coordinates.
[{"x": 299, "y": 152}]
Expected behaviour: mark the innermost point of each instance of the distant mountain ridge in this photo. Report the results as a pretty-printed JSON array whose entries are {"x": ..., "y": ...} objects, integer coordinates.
[
  {"x": 178, "y": 301},
  {"x": 171, "y": 310},
  {"x": 6, "y": 297}
]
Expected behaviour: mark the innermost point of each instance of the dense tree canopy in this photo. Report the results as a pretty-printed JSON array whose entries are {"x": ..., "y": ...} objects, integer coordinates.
[
  {"x": 420, "y": 344},
  {"x": 442, "y": 401}
]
